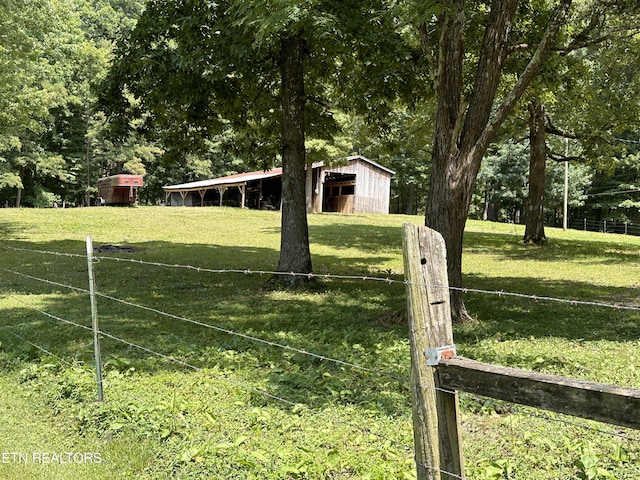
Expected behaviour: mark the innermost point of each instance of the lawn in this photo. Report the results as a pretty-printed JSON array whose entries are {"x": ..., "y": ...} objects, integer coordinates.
[{"x": 213, "y": 375}]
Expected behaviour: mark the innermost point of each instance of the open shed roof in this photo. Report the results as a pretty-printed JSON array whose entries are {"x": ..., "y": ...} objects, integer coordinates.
[
  {"x": 228, "y": 181},
  {"x": 242, "y": 178}
]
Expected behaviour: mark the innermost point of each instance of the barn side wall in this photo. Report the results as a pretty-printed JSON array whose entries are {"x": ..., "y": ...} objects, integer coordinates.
[{"x": 373, "y": 187}]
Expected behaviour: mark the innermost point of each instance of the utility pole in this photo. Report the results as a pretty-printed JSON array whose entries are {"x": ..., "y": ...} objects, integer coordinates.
[
  {"x": 565, "y": 214},
  {"x": 87, "y": 144}
]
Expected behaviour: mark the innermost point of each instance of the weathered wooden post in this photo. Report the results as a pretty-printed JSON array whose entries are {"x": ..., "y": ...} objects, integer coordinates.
[{"x": 435, "y": 411}]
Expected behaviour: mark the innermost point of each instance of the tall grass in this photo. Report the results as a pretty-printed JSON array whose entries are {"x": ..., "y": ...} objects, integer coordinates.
[{"x": 341, "y": 422}]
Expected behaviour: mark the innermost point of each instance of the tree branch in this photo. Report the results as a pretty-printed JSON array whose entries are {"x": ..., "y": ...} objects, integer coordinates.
[
  {"x": 545, "y": 45},
  {"x": 487, "y": 79},
  {"x": 552, "y": 129},
  {"x": 449, "y": 79},
  {"x": 558, "y": 157}
]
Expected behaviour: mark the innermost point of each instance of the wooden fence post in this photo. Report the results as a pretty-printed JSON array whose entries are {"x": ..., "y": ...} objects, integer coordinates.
[{"x": 435, "y": 411}]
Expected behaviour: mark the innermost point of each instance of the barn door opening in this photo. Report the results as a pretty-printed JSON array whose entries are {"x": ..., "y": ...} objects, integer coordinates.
[{"x": 339, "y": 192}]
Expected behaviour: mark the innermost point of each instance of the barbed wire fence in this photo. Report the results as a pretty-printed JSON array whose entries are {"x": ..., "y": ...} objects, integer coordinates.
[{"x": 269, "y": 343}]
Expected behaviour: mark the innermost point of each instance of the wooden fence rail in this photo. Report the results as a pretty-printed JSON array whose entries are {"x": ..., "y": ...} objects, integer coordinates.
[{"x": 436, "y": 372}]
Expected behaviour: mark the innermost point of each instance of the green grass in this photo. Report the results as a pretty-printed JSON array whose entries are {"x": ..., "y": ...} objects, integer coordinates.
[
  {"x": 164, "y": 420},
  {"x": 35, "y": 444}
]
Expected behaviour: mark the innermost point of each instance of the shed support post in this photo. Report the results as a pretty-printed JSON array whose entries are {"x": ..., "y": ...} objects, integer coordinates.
[
  {"x": 320, "y": 191},
  {"x": 243, "y": 190},
  {"x": 308, "y": 191},
  {"x": 437, "y": 439},
  {"x": 221, "y": 191}
]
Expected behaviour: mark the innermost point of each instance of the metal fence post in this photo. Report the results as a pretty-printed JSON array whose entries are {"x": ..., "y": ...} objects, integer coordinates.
[{"x": 94, "y": 317}]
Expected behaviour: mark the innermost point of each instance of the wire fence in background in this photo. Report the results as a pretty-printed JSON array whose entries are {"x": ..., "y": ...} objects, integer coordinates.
[
  {"x": 328, "y": 276},
  {"x": 239, "y": 384},
  {"x": 604, "y": 226}
]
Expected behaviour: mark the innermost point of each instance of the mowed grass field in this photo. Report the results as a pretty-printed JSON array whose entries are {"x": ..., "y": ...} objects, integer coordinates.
[{"x": 197, "y": 383}]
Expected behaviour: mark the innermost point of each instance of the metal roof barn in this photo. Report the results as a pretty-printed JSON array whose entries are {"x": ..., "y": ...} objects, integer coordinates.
[{"x": 358, "y": 185}]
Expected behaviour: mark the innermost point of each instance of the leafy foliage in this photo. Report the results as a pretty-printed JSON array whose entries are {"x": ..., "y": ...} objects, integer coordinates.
[
  {"x": 501, "y": 190},
  {"x": 53, "y": 52}
]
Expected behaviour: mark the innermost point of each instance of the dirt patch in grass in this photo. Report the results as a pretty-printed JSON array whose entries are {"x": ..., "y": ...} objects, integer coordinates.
[{"x": 114, "y": 249}]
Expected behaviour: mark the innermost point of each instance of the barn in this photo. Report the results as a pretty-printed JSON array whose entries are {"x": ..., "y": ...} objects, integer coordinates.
[{"x": 358, "y": 185}]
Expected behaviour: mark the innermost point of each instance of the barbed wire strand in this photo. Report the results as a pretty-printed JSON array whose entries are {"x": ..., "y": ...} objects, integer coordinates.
[
  {"x": 233, "y": 333},
  {"x": 269, "y": 343},
  {"x": 249, "y": 388},
  {"x": 386, "y": 280},
  {"x": 60, "y": 359},
  {"x": 245, "y": 387},
  {"x": 475, "y": 397},
  {"x": 253, "y": 389},
  {"x": 334, "y": 419},
  {"x": 434, "y": 469},
  {"x": 204, "y": 371},
  {"x": 46, "y": 252},
  {"x": 255, "y": 339},
  {"x": 241, "y": 385},
  {"x": 50, "y": 282},
  {"x": 126, "y": 393}
]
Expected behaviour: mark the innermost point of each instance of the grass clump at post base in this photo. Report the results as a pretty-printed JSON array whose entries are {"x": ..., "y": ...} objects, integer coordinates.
[{"x": 236, "y": 407}]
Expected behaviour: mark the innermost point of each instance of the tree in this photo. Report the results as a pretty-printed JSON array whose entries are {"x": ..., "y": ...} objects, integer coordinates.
[
  {"x": 191, "y": 70},
  {"x": 466, "y": 122},
  {"x": 51, "y": 56},
  {"x": 615, "y": 191},
  {"x": 295, "y": 255},
  {"x": 36, "y": 72},
  {"x": 399, "y": 144},
  {"x": 501, "y": 183},
  {"x": 534, "y": 212},
  {"x": 572, "y": 89}
]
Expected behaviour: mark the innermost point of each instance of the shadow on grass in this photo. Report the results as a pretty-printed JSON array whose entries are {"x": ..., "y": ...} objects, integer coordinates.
[
  {"x": 502, "y": 316},
  {"x": 352, "y": 321},
  {"x": 510, "y": 247},
  {"x": 344, "y": 320},
  {"x": 368, "y": 238}
]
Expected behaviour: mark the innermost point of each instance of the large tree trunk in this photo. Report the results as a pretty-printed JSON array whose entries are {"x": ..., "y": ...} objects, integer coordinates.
[
  {"x": 295, "y": 255},
  {"x": 461, "y": 138},
  {"x": 534, "y": 230},
  {"x": 464, "y": 130},
  {"x": 447, "y": 208}
]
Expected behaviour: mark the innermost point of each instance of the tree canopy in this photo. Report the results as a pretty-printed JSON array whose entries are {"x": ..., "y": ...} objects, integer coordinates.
[
  {"x": 271, "y": 72},
  {"x": 52, "y": 53},
  {"x": 435, "y": 90},
  {"x": 483, "y": 71}
]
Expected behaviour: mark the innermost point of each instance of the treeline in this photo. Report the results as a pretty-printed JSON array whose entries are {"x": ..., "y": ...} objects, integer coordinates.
[{"x": 87, "y": 91}]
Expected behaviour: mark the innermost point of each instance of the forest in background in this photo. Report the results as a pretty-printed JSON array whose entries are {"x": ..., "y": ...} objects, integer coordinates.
[{"x": 57, "y": 137}]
